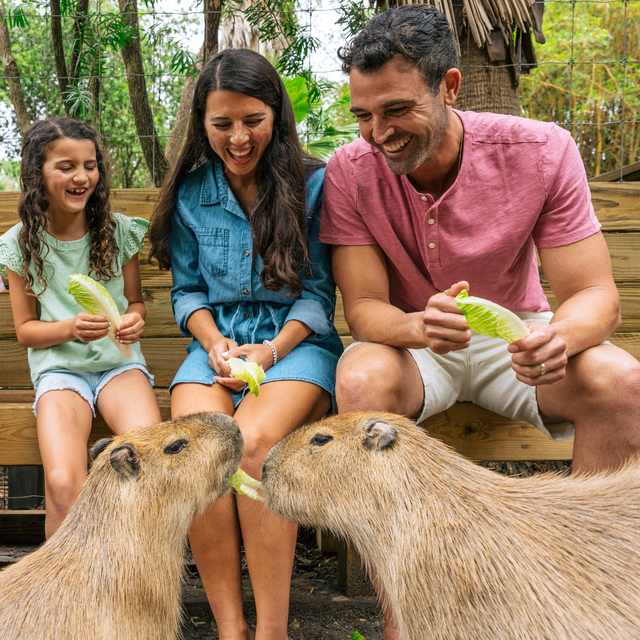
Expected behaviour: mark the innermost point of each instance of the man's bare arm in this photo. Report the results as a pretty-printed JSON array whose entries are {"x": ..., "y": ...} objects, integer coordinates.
[
  {"x": 588, "y": 310},
  {"x": 361, "y": 273}
]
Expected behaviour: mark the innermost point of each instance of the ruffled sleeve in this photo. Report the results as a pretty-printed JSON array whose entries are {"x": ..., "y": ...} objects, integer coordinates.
[
  {"x": 130, "y": 235},
  {"x": 10, "y": 254}
]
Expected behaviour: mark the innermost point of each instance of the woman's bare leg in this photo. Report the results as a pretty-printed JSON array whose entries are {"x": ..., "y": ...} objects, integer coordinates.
[
  {"x": 215, "y": 535},
  {"x": 269, "y": 540}
]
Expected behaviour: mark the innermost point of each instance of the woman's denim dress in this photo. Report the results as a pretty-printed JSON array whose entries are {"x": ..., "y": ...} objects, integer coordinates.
[{"x": 213, "y": 267}]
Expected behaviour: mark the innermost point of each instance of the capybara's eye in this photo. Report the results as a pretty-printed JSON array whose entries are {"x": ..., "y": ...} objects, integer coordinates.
[
  {"x": 320, "y": 439},
  {"x": 175, "y": 447}
]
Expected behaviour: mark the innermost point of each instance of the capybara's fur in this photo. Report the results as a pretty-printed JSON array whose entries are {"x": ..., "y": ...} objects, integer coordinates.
[
  {"x": 114, "y": 568},
  {"x": 464, "y": 553}
]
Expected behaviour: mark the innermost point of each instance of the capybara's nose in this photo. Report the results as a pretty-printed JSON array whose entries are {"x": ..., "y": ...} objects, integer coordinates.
[{"x": 239, "y": 435}]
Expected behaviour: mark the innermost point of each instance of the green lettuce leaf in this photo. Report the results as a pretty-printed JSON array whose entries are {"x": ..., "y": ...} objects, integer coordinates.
[
  {"x": 250, "y": 372},
  {"x": 243, "y": 483},
  {"x": 97, "y": 301},
  {"x": 490, "y": 319}
]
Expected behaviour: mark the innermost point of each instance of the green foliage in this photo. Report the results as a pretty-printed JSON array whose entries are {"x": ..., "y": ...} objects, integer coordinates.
[
  {"x": 587, "y": 80},
  {"x": 357, "y": 636},
  {"x": 319, "y": 131},
  {"x": 100, "y": 41}
]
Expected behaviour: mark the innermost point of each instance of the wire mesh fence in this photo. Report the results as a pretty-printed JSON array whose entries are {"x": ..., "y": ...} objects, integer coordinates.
[
  {"x": 66, "y": 56},
  {"x": 69, "y": 58}
]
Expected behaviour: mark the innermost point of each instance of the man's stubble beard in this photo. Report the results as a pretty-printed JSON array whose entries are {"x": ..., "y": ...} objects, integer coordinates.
[{"x": 425, "y": 146}]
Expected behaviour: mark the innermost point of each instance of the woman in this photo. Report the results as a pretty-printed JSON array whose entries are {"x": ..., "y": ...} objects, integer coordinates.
[{"x": 240, "y": 233}]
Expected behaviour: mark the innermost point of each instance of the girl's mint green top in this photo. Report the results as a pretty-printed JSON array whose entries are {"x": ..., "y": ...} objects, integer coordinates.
[{"x": 61, "y": 261}]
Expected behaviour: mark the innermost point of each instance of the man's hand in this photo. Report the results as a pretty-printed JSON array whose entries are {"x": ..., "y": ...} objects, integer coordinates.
[
  {"x": 445, "y": 326},
  {"x": 541, "y": 357}
]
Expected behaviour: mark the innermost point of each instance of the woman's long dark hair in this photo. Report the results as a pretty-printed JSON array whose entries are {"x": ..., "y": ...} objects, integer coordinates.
[
  {"x": 278, "y": 219},
  {"x": 33, "y": 204}
]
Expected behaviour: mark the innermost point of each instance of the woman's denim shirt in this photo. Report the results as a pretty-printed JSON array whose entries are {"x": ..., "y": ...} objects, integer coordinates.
[{"x": 213, "y": 267}]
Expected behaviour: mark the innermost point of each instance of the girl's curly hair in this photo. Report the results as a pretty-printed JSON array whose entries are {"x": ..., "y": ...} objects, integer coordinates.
[{"x": 33, "y": 205}]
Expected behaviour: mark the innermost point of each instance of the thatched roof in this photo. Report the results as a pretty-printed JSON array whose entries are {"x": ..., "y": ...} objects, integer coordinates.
[{"x": 485, "y": 17}]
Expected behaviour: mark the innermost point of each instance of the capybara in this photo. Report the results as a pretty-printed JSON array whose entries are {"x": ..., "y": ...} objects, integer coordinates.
[
  {"x": 114, "y": 568},
  {"x": 464, "y": 553}
]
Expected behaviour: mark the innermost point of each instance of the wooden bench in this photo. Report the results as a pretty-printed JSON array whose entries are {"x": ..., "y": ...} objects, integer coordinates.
[{"x": 474, "y": 432}]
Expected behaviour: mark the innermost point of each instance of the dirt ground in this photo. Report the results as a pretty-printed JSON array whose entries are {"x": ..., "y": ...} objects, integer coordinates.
[{"x": 318, "y": 610}]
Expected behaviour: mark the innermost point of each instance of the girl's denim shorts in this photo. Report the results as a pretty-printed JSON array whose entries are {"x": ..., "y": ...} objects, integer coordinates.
[
  {"x": 307, "y": 362},
  {"x": 86, "y": 384}
]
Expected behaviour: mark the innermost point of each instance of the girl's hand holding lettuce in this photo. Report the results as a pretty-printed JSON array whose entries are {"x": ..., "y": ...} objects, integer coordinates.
[{"x": 250, "y": 372}]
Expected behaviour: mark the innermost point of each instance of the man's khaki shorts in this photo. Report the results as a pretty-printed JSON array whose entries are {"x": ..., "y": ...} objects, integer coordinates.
[{"x": 482, "y": 374}]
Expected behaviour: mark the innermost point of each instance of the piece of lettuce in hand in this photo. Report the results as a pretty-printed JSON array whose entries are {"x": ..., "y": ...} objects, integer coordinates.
[
  {"x": 97, "y": 301},
  {"x": 490, "y": 319},
  {"x": 249, "y": 372},
  {"x": 243, "y": 483}
]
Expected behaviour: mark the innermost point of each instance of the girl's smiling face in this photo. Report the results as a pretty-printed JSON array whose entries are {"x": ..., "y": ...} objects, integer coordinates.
[
  {"x": 70, "y": 174},
  {"x": 239, "y": 129}
]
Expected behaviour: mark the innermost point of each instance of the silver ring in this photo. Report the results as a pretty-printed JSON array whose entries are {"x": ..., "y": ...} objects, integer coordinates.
[{"x": 543, "y": 369}]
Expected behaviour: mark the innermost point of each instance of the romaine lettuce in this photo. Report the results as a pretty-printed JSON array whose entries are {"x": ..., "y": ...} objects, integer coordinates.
[{"x": 490, "y": 319}]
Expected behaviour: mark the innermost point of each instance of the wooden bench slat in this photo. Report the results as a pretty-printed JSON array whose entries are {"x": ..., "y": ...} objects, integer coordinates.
[
  {"x": 163, "y": 355},
  {"x": 471, "y": 430},
  {"x": 615, "y": 205}
]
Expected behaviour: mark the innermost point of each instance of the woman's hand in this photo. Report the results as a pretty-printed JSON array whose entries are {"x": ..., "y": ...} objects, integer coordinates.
[
  {"x": 258, "y": 353},
  {"x": 88, "y": 328},
  {"x": 130, "y": 328},
  {"x": 216, "y": 360}
]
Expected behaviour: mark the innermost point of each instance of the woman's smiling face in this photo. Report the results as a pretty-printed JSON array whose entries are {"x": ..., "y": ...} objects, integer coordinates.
[{"x": 239, "y": 129}]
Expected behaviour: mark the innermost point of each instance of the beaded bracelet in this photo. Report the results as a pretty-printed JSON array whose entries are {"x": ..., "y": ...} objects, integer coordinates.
[{"x": 273, "y": 350}]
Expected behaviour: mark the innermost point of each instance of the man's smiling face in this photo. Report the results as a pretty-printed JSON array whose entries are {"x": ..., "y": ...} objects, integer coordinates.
[{"x": 398, "y": 113}]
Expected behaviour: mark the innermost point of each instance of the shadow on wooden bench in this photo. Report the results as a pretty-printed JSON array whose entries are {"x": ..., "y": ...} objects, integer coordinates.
[{"x": 471, "y": 430}]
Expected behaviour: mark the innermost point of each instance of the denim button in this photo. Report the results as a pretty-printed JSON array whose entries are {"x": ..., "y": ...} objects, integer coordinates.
[
  {"x": 247, "y": 252},
  {"x": 245, "y": 291}
]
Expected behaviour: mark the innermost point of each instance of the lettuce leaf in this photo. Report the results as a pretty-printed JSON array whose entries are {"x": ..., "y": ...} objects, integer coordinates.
[
  {"x": 250, "y": 372},
  {"x": 490, "y": 319},
  {"x": 243, "y": 483},
  {"x": 97, "y": 301}
]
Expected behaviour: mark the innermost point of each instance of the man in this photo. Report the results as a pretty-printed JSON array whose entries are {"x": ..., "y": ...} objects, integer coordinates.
[{"x": 430, "y": 201}]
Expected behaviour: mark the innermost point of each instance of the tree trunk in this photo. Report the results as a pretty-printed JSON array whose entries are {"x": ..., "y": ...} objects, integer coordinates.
[
  {"x": 486, "y": 85},
  {"x": 78, "y": 31},
  {"x": 58, "y": 51},
  {"x": 12, "y": 75},
  {"x": 132, "y": 56},
  {"x": 212, "y": 13},
  {"x": 237, "y": 33}
]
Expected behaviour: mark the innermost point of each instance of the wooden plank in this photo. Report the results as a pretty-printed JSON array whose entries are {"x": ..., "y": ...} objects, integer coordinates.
[
  {"x": 163, "y": 356},
  {"x": 19, "y": 439},
  {"x": 471, "y": 430},
  {"x": 615, "y": 204},
  {"x": 21, "y": 527},
  {"x": 160, "y": 321},
  {"x": 131, "y": 202},
  {"x": 479, "y": 434}
]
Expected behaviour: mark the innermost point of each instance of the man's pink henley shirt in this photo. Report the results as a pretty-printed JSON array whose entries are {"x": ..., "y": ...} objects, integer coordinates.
[{"x": 521, "y": 183}]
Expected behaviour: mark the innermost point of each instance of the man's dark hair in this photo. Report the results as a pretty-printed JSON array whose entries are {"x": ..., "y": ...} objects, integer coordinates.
[{"x": 420, "y": 33}]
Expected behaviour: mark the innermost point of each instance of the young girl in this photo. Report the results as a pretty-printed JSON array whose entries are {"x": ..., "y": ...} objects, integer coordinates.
[
  {"x": 67, "y": 228},
  {"x": 250, "y": 279}
]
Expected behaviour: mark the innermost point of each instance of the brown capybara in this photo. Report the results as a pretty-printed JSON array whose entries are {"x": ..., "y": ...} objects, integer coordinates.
[
  {"x": 114, "y": 568},
  {"x": 464, "y": 553}
]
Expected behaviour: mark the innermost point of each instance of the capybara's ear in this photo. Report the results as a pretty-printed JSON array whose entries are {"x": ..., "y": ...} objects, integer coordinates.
[
  {"x": 124, "y": 459},
  {"x": 99, "y": 447},
  {"x": 380, "y": 434}
]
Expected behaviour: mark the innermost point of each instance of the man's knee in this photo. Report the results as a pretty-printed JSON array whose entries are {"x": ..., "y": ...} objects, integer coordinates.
[
  {"x": 607, "y": 375},
  {"x": 377, "y": 377}
]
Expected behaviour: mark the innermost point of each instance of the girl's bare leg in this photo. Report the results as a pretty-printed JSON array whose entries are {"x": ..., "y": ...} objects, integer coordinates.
[
  {"x": 63, "y": 424},
  {"x": 127, "y": 402}
]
